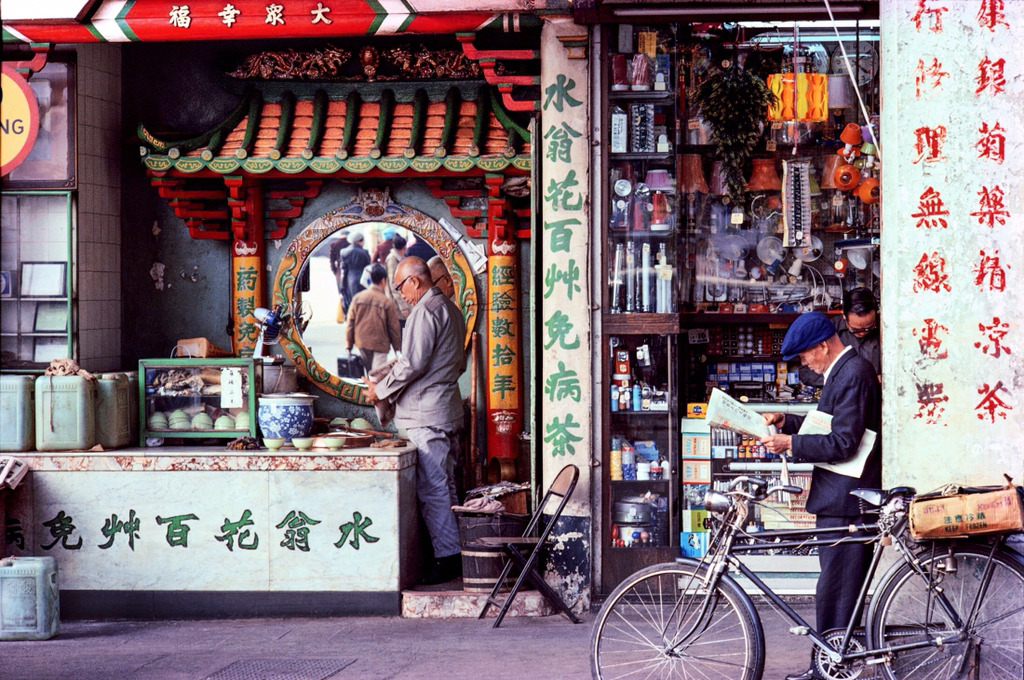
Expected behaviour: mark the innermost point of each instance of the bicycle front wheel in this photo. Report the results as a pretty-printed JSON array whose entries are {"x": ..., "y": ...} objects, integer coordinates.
[
  {"x": 908, "y": 611},
  {"x": 662, "y": 622}
]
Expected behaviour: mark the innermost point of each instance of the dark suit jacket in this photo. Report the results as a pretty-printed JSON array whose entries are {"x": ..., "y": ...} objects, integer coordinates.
[{"x": 854, "y": 398}]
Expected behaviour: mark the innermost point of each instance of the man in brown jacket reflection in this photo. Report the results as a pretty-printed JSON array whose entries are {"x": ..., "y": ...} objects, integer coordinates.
[{"x": 372, "y": 323}]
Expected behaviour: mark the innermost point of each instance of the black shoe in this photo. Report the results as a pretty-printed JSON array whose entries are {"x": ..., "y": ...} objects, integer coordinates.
[
  {"x": 809, "y": 674},
  {"x": 445, "y": 569}
]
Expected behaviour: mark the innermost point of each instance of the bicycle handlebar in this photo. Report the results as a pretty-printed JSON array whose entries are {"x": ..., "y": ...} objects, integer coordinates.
[{"x": 759, "y": 488}]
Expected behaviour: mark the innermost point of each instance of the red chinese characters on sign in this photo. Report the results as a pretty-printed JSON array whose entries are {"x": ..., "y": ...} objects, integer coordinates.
[
  {"x": 928, "y": 144},
  {"x": 929, "y": 15},
  {"x": 930, "y": 274},
  {"x": 928, "y": 76},
  {"x": 930, "y": 402},
  {"x": 991, "y": 406},
  {"x": 930, "y": 339},
  {"x": 931, "y": 211},
  {"x": 991, "y": 207},
  {"x": 989, "y": 272},
  {"x": 992, "y": 13},
  {"x": 991, "y": 77},
  {"x": 993, "y": 338},
  {"x": 992, "y": 144}
]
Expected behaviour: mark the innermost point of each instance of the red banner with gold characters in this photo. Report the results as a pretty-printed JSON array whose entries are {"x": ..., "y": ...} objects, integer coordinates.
[
  {"x": 248, "y": 295},
  {"x": 504, "y": 400}
]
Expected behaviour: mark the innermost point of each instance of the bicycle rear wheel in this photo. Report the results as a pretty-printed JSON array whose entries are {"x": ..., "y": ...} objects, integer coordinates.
[
  {"x": 906, "y": 611},
  {"x": 662, "y": 622}
]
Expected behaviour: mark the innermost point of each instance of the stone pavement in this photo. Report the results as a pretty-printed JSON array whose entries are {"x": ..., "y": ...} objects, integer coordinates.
[{"x": 356, "y": 648}]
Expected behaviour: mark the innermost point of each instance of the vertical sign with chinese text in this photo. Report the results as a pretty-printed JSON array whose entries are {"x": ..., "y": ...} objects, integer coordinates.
[
  {"x": 567, "y": 356},
  {"x": 953, "y": 240},
  {"x": 245, "y": 283}
]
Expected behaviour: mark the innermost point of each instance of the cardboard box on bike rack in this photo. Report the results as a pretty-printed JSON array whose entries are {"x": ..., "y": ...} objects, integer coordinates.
[{"x": 964, "y": 514}]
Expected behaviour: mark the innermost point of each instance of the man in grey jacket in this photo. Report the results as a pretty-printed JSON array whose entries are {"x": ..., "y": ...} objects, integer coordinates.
[{"x": 424, "y": 384}]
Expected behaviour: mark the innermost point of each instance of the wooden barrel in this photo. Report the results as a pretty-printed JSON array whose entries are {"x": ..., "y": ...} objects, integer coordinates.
[{"x": 481, "y": 567}]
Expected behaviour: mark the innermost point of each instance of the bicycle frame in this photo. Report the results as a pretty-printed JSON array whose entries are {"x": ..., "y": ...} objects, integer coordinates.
[{"x": 729, "y": 553}]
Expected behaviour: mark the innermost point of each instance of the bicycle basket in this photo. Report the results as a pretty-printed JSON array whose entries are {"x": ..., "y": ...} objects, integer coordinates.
[{"x": 957, "y": 512}]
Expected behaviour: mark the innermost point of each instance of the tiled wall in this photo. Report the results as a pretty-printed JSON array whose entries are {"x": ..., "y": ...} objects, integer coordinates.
[{"x": 98, "y": 243}]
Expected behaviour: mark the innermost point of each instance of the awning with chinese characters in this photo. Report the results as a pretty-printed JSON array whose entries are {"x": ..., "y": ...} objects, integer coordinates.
[{"x": 187, "y": 20}]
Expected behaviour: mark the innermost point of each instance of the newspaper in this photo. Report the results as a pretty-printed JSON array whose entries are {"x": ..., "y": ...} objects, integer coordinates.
[
  {"x": 726, "y": 412},
  {"x": 817, "y": 422}
]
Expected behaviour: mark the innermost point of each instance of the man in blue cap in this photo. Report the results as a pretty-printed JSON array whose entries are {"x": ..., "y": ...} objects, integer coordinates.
[{"x": 852, "y": 396}]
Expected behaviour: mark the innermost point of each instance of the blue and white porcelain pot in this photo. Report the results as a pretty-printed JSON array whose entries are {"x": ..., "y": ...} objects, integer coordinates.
[{"x": 285, "y": 415}]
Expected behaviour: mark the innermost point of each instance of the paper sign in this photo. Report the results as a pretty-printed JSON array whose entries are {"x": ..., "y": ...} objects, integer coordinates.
[{"x": 231, "y": 388}]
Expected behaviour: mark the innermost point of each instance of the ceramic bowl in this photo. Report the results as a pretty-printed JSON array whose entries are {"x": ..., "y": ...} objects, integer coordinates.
[
  {"x": 303, "y": 443},
  {"x": 334, "y": 443},
  {"x": 224, "y": 423},
  {"x": 285, "y": 415},
  {"x": 273, "y": 443}
]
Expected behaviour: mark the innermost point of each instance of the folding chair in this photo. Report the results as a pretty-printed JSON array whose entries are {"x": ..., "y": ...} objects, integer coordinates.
[{"x": 514, "y": 549}]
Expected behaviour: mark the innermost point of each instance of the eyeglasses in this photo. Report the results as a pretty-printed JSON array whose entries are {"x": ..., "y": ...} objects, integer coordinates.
[
  {"x": 862, "y": 331},
  {"x": 398, "y": 288},
  {"x": 442, "y": 278}
]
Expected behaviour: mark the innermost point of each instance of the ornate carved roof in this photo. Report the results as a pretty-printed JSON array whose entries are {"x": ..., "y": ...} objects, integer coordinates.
[{"x": 357, "y": 131}]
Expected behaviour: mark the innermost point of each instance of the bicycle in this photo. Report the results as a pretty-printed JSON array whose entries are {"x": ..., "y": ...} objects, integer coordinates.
[{"x": 944, "y": 609}]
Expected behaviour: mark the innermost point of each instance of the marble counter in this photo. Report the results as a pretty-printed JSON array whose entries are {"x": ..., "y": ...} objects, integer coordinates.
[{"x": 216, "y": 532}]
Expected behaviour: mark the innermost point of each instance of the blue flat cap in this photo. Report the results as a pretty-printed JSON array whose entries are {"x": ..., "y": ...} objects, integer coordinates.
[
  {"x": 389, "y": 233},
  {"x": 806, "y": 332}
]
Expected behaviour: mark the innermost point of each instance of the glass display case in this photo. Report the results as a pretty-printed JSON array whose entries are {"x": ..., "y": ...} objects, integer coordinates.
[
  {"x": 640, "y": 316},
  {"x": 198, "y": 398},
  {"x": 710, "y": 252}
]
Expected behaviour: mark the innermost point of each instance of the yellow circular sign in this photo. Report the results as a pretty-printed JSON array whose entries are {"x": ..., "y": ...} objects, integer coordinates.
[{"x": 19, "y": 120}]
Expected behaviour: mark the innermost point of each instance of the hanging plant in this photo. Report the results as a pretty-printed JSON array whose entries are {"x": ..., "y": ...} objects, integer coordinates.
[{"x": 735, "y": 103}]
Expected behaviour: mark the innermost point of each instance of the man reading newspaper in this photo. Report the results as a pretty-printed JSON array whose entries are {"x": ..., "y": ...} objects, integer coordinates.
[{"x": 852, "y": 397}]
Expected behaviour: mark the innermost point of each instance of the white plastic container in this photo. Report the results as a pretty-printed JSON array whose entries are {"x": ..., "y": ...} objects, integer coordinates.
[
  {"x": 113, "y": 411},
  {"x": 65, "y": 413},
  {"x": 29, "y": 598},
  {"x": 17, "y": 413}
]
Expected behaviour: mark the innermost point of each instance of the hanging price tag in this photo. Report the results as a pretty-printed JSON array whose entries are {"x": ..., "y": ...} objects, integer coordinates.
[{"x": 231, "y": 388}]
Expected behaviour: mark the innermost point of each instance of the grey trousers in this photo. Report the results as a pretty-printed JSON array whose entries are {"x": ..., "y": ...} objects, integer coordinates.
[
  {"x": 435, "y": 484},
  {"x": 373, "y": 360}
]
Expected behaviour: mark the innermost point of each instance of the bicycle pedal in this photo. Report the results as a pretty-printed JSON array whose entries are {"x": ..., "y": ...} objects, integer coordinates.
[{"x": 799, "y": 630}]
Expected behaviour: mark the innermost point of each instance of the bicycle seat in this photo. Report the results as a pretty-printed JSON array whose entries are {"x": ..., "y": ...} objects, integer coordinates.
[
  {"x": 873, "y": 497},
  {"x": 879, "y": 497}
]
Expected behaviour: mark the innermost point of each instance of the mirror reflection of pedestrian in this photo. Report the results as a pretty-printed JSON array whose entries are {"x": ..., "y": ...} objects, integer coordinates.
[
  {"x": 392, "y": 261},
  {"x": 353, "y": 259},
  {"x": 372, "y": 322},
  {"x": 424, "y": 384},
  {"x": 384, "y": 247},
  {"x": 337, "y": 245},
  {"x": 442, "y": 277}
]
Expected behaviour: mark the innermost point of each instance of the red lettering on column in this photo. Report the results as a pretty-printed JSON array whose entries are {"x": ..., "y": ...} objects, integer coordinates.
[
  {"x": 930, "y": 400},
  {"x": 993, "y": 338},
  {"x": 930, "y": 274},
  {"x": 992, "y": 144},
  {"x": 928, "y": 144},
  {"x": 931, "y": 211},
  {"x": 990, "y": 273},
  {"x": 991, "y": 406},
  {"x": 930, "y": 339},
  {"x": 991, "y": 207}
]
